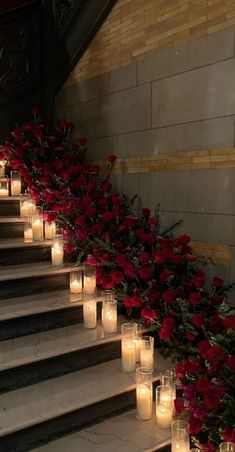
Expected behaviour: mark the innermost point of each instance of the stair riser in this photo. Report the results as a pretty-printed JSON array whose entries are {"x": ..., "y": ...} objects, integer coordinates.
[
  {"x": 28, "y": 286},
  {"x": 11, "y": 230},
  {"x": 9, "y": 209},
  {"x": 54, "y": 367},
  {"x": 26, "y": 439},
  {"x": 37, "y": 323},
  {"x": 24, "y": 255}
]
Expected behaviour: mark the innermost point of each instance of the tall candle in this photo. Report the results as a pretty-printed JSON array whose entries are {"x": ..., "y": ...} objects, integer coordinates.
[
  {"x": 2, "y": 168},
  {"x": 128, "y": 355},
  {"x": 143, "y": 402},
  {"x": 50, "y": 230},
  {"x": 15, "y": 187},
  {"x": 37, "y": 228},
  {"x": 90, "y": 314},
  {"x": 89, "y": 284},
  {"x": 147, "y": 352},
  {"x": 164, "y": 406},
  {"x": 109, "y": 312},
  {"x": 163, "y": 416},
  {"x": 180, "y": 436}
]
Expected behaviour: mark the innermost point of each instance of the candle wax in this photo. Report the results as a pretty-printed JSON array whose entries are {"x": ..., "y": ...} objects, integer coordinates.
[
  {"x": 143, "y": 402},
  {"x": 146, "y": 358},
  {"x": 15, "y": 187},
  {"x": 128, "y": 355},
  {"x": 90, "y": 314}
]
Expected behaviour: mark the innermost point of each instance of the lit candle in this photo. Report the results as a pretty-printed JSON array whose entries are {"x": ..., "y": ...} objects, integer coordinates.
[
  {"x": 90, "y": 314},
  {"x": 4, "y": 192},
  {"x": 144, "y": 393},
  {"x": 163, "y": 416},
  {"x": 143, "y": 402},
  {"x": 147, "y": 352},
  {"x": 28, "y": 234},
  {"x": 2, "y": 168},
  {"x": 128, "y": 355},
  {"x": 164, "y": 406},
  {"x": 27, "y": 207},
  {"x": 37, "y": 229},
  {"x": 138, "y": 341},
  {"x": 180, "y": 436},
  {"x": 109, "y": 312},
  {"x": 89, "y": 279},
  {"x": 227, "y": 447},
  {"x": 15, "y": 187},
  {"x": 50, "y": 230},
  {"x": 75, "y": 282},
  {"x": 57, "y": 250}
]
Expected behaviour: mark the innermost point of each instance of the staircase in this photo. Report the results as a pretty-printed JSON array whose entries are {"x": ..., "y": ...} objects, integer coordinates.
[{"x": 57, "y": 378}]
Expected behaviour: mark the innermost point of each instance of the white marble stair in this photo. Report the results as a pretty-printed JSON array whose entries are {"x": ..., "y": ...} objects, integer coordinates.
[
  {"x": 9, "y": 205},
  {"x": 44, "y": 410},
  {"x": 123, "y": 433},
  {"x": 36, "y": 357}
]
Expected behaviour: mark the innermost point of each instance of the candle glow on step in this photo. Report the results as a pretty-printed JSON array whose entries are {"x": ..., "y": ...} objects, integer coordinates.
[{"x": 144, "y": 393}]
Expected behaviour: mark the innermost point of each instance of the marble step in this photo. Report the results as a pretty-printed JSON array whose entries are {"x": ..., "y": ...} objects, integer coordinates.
[
  {"x": 36, "y": 357},
  {"x": 14, "y": 251},
  {"x": 40, "y": 412},
  {"x": 37, "y": 277},
  {"x": 9, "y": 205},
  {"x": 122, "y": 433},
  {"x": 11, "y": 227},
  {"x": 29, "y": 314}
]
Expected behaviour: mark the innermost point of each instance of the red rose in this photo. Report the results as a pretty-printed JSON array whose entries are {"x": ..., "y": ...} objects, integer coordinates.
[
  {"x": 117, "y": 276},
  {"x": 211, "y": 400},
  {"x": 130, "y": 221},
  {"x": 111, "y": 158},
  {"x": 146, "y": 212},
  {"x": 107, "y": 216},
  {"x": 195, "y": 425},
  {"x": 148, "y": 314},
  {"x": 144, "y": 258},
  {"x": 179, "y": 405},
  {"x": 169, "y": 296},
  {"x": 193, "y": 366},
  {"x": 203, "y": 385},
  {"x": 165, "y": 275},
  {"x": 146, "y": 273},
  {"x": 189, "y": 336},
  {"x": 168, "y": 323},
  {"x": 195, "y": 298},
  {"x": 129, "y": 270},
  {"x": 229, "y": 435},
  {"x": 164, "y": 334},
  {"x": 198, "y": 282},
  {"x": 133, "y": 301},
  {"x": 184, "y": 239},
  {"x": 229, "y": 322},
  {"x": 180, "y": 369},
  {"x": 82, "y": 141},
  {"x": 198, "y": 321},
  {"x": 204, "y": 346},
  {"x": 217, "y": 282},
  {"x": 106, "y": 186},
  {"x": 69, "y": 249}
]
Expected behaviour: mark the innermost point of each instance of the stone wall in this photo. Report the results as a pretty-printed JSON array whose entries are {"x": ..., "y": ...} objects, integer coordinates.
[
  {"x": 136, "y": 28},
  {"x": 179, "y": 99}
]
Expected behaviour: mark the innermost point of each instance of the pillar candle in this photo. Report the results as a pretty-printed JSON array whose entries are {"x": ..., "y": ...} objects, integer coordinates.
[
  {"x": 143, "y": 402},
  {"x": 28, "y": 234},
  {"x": 15, "y": 187},
  {"x": 109, "y": 312},
  {"x": 89, "y": 284},
  {"x": 37, "y": 228},
  {"x": 163, "y": 416},
  {"x": 4, "y": 192},
  {"x": 57, "y": 254},
  {"x": 90, "y": 314},
  {"x": 146, "y": 358},
  {"x": 2, "y": 168},
  {"x": 128, "y": 355},
  {"x": 75, "y": 286}
]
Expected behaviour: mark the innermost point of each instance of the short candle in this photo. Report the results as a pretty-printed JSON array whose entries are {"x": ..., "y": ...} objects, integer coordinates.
[
  {"x": 90, "y": 314},
  {"x": 75, "y": 284},
  {"x": 50, "y": 230},
  {"x": 57, "y": 254},
  {"x": 28, "y": 234}
]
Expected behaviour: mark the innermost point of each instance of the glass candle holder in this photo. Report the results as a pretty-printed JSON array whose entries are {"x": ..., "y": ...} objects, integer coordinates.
[
  {"x": 15, "y": 183},
  {"x": 180, "y": 436},
  {"x": 57, "y": 250},
  {"x": 89, "y": 279},
  {"x": 2, "y": 168},
  {"x": 27, "y": 205},
  {"x": 164, "y": 406},
  {"x": 226, "y": 447},
  {"x": 90, "y": 311},
  {"x": 109, "y": 312},
  {"x": 195, "y": 449},
  {"x": 147, "y": 352},
  {"x": 50, "y": 225},
  {"x": 138, "y": 338},
  {"x": 28, "y": 233},
  {"x": 167, "y": 378},
  {"x": 75, "y": 284},
  {"x": 4, "y": 187},
  {"x": 144, "y": 393},
  {"x": 128, "y": 334},
  {"x": 37, "y": 224}
]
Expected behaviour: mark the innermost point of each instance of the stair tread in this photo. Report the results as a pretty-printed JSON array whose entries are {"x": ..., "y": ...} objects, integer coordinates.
[
  {"x": 13, "y": 220},
  {"x": 20, "y": 243},
  {"x": 122, "y": 433},
  {"x": 38, "y": 346},
  {"x": 37, "y": 303},
  {"x": 13, "y": 272},
  {"x": 46, "y": 400},
  {"x": 9, "y": 198}
]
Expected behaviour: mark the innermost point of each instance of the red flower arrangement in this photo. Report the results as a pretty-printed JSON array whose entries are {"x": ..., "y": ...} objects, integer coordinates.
[{"x": 154, "y": 274}]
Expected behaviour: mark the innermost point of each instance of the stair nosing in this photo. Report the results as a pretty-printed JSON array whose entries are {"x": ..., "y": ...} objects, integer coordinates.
[{"x": 51, "y": 270}]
